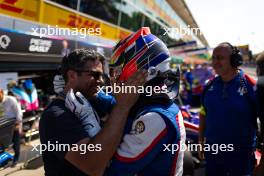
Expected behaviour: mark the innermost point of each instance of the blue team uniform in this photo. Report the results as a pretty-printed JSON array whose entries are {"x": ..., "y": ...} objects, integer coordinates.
[
  {"x": 142, "y": 152},
  {"x": 231, "y": 119}
]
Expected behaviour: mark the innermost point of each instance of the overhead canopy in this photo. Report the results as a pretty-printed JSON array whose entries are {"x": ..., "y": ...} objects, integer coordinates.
[
  {"x": 183, "y": 11},
  {"x": 23, "y": 62}
]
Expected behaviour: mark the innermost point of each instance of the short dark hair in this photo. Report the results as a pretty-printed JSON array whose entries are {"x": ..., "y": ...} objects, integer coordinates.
[
  {"x": 260, "y": 63},
  {"x": 77, "y": 59}
]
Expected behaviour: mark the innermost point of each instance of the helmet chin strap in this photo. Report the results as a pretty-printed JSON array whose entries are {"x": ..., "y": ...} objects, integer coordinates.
[
  {"x": 172, "y": 81},
  {"x": 163, "y": 75}
]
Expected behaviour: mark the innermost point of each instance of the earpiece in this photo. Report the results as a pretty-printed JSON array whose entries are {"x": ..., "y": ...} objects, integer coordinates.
[{"x": 236, "y": 58}]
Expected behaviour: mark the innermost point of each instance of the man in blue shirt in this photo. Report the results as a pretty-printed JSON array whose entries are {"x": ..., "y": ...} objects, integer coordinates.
[
  {"x": 229, "y": 115},
  {"x": 260, "y": 93}
]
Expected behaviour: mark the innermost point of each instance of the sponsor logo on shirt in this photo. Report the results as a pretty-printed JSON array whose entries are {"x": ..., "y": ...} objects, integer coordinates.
[{"x": 242, "y": 91}]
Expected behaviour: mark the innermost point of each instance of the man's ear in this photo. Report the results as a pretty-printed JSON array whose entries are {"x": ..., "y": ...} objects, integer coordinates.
[{"x": 72, "y": 75}]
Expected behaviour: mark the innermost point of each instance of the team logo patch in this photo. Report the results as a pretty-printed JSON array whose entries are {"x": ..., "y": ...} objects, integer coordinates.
[
  {"x": 242, "y": 91},
  {"x": 140, "y": 127},
  {"x": 211, "y": 88}
]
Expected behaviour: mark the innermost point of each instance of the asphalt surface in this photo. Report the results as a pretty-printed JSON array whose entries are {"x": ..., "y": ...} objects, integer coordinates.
[{"x": 27, "y": 152}]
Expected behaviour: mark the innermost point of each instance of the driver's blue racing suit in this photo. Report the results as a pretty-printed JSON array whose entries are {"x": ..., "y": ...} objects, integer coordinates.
[{"x": 142, "y": 149}]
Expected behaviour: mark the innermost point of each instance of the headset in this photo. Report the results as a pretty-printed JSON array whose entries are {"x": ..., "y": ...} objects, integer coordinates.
[{"x": 236, "y": 58}]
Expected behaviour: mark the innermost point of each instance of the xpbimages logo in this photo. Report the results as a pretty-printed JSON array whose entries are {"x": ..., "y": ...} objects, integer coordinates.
[
  {"x": 148, "y": 90},
  {"x": 181, "y": 31},
  {"x": 213, "y": 148},
  {"x": 82, "y": 148},
  {"x": 59, "y": 31}
]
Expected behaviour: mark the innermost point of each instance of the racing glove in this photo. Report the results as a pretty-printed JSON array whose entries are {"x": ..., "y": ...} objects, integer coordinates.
[
  {"x": 58, "y": 84},
  {"x": 81, "y": 107}
]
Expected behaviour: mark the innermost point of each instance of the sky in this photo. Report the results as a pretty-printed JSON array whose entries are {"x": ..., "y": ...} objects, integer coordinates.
[{"x": 239, "y": 22}]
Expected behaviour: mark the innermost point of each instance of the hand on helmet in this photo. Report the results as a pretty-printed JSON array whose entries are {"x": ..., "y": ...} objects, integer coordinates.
[{"x": 127, "y": 100}]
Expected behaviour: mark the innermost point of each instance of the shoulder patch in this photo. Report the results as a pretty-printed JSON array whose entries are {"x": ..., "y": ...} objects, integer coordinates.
[
  {"x": 139, "y": 127},
  {"x": 145, "y": 134},
  {"x": 250, "y": 80},
  {"x": 210, "y": 80}
]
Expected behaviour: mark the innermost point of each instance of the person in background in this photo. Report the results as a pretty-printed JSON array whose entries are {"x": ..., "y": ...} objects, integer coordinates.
[
  {"x": 260, "y": 97},
  {"x": 188, "y": 81},
  {"x": 12, "y": 109},
  {"x": 229, "y": 115},
  {"x": 65, "y": 50}
]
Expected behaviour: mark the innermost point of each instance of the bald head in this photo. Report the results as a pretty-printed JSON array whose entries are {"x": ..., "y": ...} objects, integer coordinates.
[
  {"x": 222, "y": 59},
  {"x": 225, "y": 47},
  {"x": 222, "y": 51}
]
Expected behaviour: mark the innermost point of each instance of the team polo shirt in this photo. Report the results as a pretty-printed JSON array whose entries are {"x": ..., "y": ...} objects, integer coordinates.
[{"x": 231, "y": 112}]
